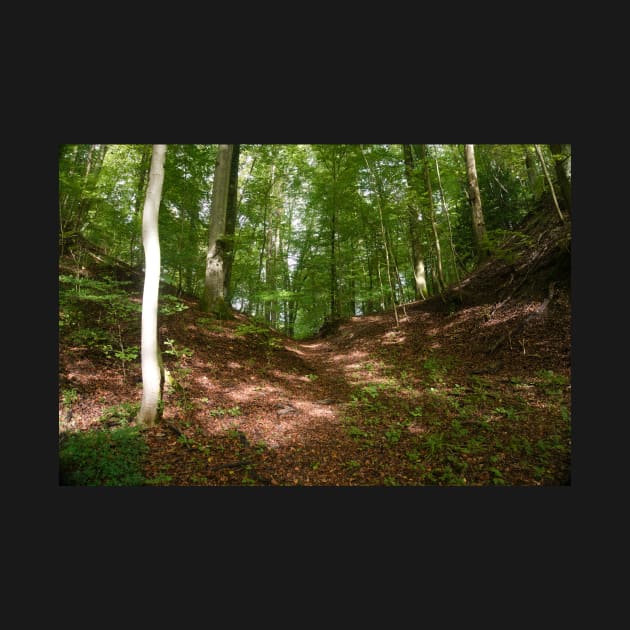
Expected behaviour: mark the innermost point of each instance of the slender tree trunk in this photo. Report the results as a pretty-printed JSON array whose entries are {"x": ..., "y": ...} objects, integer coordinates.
[
  {"x": 417, "y": 256},
  {"x": 424, "y": 154},
  {"x": 140, "y": 192},
  {"x": 383, "y": 236},
  {"x": 213, "y": 299},
  {"x": 448, "y": 219},
  {"x": 75, "y": 207},
  {"x": 333, "y": 266},
  {"x": 263, "y": 258},
  {"x": 230, "y": 221},
  {"x": 95, "y": 160},
  {"x": 541, "y": 157},
  {"x": 562, "y": 159},
  {"x": 479, "y": 226},
  {"x": 333, "y": 237},
  {"x": 150, "y": 351},
  {"x": 532, "y": 174}
]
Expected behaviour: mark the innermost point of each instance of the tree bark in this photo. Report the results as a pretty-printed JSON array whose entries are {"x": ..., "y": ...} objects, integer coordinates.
[
  {"x": 213, "y": 299},
  {"x": 562, "y": 160},
  {"x": 541, "y": 157},
  {"x": 479, "y": 226},
  {"x": 150, "y": 352},
  {"x": 230, "y": 221},
  {"x": 532, "y": 175},
  {"x": 424, "y": 154},
  {"x": 417, "y": 257},
  {"x": 140, "y": 192},
  {"x": 448, "y": 219}
]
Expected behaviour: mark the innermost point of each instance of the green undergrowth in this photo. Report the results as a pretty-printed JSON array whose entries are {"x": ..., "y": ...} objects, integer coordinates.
[
  {"x": 102, "y": 458},
  {"x": 102, "y": 316},
  {"x": 462, "y": 430}
]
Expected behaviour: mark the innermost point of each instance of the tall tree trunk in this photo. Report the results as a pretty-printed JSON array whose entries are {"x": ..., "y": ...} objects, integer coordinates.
[
  {"x": 213, "y": 299},
  {"x": 424, "y": 154},
  {"x": 448, "y": 219},
  {"x": 415, "y": 228},
  {"x": 479, "y": 226},
  {"x": 140, "y": 192},
  {"x": 76, "y": 203},
  {"x": 96, "y": 157},
  {"x": 334, "y": 307},
  {"x": 272, "y": 246},
  {"x": 532, "y": 174},
  {"x": 333, "y": 265},
  {"x": 150, "y": 351},
  {"x": 541, "y": 157},
  {"x": 562, "y": 159},
  {"x": 379, "y": 189},
  {"x": 230, "y": 221}
]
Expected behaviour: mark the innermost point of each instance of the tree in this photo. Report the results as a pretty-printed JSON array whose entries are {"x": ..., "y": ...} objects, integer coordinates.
[
  {"x": 474, "y": 196},
  {"x": 213, "y": 299},
  {"x": 150, "y": 352},
  {"x": 424, "y": 156},
  {"x": 303, "y": 234},
  {"x": 415, "y": 227},
  {"x": 562, "y": 160},
  {"x": 79, "y": 177},
  {"x": 532, "y": 174},
  {"x": 541, "y": 157},
  {"x": 230, "y": 220},
  {"x": 140, "y": 191}
]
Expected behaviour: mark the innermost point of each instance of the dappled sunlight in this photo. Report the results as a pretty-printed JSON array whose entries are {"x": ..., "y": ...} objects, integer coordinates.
[
  {"x": 394, "y": 337},
  {"x": 349, "y": 356},
  {"x": 274, "y": 425}
]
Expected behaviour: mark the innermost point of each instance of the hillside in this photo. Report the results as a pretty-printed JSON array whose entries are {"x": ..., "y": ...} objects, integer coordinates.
[{"x": 472, "y": 388}]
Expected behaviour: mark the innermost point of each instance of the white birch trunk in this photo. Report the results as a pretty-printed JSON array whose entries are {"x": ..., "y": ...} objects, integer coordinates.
[{"x": 151, "y": 373}]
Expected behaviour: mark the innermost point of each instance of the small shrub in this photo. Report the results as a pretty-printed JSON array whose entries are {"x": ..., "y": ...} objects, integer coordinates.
[
  {"x": 178, "y": 353},
  {"x": 102, "y": 458},
  {"x": 122, "y": 414},
  {"x": 69, "y": 397},
  {"x": 169, "y": 304}
]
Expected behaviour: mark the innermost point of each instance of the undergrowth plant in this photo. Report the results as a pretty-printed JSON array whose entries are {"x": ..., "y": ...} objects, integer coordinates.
[{"x": 102, "y": 458}]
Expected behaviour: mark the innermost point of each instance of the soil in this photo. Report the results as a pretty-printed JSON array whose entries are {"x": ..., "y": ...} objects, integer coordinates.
[{"x": 469, "y": 388}]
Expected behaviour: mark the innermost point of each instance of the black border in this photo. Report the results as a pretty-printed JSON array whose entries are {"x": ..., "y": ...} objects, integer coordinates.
[{"x": 419, "y": 526}]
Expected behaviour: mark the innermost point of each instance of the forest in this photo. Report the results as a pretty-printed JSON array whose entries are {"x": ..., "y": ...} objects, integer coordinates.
[{"x": 314, "y": 315}]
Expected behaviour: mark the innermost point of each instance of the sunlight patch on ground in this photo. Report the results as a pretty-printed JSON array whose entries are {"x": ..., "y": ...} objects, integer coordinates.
[
  {"x": 352, "y": 356},
  {"x": 289, "y": 377},
  {"x": 313, "y": 346},
  {"x": 394, "y": 337},
  {"x": 314, "y": 409},
  {"x": 416, "y": 428},
  {"x": 246, "y": 393},
  {"x": 265, "y": 425}
]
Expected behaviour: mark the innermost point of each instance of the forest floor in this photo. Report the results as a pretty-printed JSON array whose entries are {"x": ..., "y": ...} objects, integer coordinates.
[{"x": 473, "y": 388}]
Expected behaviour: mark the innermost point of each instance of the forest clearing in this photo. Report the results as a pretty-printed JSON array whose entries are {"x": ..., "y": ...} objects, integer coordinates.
[{"x": 325, "y": 315}]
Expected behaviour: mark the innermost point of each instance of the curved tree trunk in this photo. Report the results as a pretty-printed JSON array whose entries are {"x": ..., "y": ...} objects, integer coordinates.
[{"x": 150, "y": 352}]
